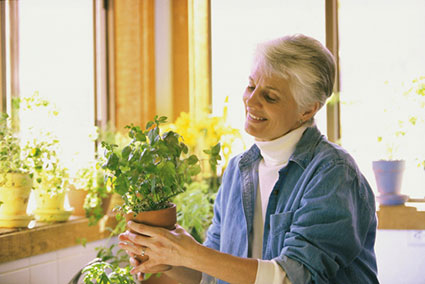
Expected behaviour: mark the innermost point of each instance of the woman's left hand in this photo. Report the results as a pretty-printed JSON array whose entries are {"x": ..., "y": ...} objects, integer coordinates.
[{"x": 162, "y": 246}]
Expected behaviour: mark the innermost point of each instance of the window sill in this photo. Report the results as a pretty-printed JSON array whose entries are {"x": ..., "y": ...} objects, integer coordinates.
[
  {"x": 43, "y": 237},
  {"x": 402, "y": 217}
]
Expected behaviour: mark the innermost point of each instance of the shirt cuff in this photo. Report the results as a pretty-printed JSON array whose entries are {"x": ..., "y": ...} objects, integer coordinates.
[
  {"x": 269, "y": 272},
  {"x": 207, "y": 279}
]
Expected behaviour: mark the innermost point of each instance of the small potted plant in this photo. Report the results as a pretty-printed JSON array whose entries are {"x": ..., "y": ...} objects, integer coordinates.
[
  {"x": 99, "y": 197},
  {"x": 399, "y": 136},
  {"x": 51, "y": 180},
  {"x": 83, "y": 181},
  {"x": 149, "y": 172},
  {"x": 15, "y": 178},
  {"x": 389, "y": 173}
]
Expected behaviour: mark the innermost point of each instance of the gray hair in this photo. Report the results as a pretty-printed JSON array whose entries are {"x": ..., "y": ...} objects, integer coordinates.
[{"x": 304, "y": 62}]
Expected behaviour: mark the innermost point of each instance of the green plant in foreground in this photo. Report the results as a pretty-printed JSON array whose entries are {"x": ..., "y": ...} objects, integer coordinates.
[
  {"x": 109, "y": 267},
  {"x": 151, "y": 169}
]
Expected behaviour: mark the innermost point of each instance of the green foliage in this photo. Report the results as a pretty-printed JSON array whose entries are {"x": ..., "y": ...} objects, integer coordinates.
[
  {"x": 195, "y": 208},
  {"x": 49, "y": 173},
  {"x": 120, "y": 227},
  {"x": 404, "y": 125},
  {"x": 12, "y": 155},
  {"x": 151, "y": 169},
  {"x": 98, "y": 192},
  {"x": 109, "y": 267}
]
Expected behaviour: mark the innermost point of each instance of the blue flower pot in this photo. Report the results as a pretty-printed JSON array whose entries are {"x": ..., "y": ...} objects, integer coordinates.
[{"x": 388, "y": 176}]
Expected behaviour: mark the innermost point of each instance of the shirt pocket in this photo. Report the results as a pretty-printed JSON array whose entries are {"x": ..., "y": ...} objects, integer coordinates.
[{"x": 280, "y": 223}]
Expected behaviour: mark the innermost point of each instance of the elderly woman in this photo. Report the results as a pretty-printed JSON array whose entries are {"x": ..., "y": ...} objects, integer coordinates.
[{"x": 294, "y": 208}]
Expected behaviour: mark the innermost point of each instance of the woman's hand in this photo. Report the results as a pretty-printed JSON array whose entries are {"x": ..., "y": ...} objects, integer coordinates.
[{"x": 162, "y": 246}]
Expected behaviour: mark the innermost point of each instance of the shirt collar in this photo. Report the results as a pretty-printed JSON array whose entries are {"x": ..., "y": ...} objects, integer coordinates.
[
  {"x": 302, "y": 155},
  {"x": 277, "y": 152}
]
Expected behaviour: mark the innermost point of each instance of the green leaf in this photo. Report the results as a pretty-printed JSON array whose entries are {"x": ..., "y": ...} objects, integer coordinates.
[
  {"x": 125, "y": 152},
  {"x": 162, "y": 119},
  {"x": 216, "y": 149},
  {"x": 149, "y": 124},
  {"x": 192, "y": 160}
]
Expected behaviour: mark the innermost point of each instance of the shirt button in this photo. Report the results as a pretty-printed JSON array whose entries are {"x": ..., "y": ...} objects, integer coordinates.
[{"x": 275, "y": 192}]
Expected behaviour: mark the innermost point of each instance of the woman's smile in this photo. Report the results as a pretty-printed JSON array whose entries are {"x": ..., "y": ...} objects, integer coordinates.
[{"x": 255, "y": 118}]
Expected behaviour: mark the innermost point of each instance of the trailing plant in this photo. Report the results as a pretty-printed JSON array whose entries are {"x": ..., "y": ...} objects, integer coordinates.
[
  {"x": 12, "y": 156},
  {"x": 49, "y": 174},
  {"x": 152, "y": 169}
]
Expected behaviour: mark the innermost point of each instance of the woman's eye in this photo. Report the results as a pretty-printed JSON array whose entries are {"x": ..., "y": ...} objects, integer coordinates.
[
  {"x": 269, "y": 99},
  {"x": 251, "y": 88}
]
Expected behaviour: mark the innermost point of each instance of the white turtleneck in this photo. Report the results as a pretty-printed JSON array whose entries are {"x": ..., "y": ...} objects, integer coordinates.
[{"x": 275, "y": 155}]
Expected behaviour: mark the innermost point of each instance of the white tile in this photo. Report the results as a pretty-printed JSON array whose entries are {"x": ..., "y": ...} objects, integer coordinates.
[
  {"x": 88, "y": 256},
  {"x": 45, "y": 273},
  {"x": 21, "y": 276},
  {"x": 99, "y": 243},
  {"x": 43, "y": 258},
  {"x": 70, "y": 251},
  {"x": 68, "y": 267},
  {"x": 14, "y": 265}
]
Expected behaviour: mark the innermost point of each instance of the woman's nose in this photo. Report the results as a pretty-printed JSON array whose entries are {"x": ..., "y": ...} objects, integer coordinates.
[{"x": 252, "y": 98}]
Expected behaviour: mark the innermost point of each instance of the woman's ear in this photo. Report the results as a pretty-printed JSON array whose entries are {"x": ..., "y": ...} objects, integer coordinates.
[{"x": 310, "y": 112}]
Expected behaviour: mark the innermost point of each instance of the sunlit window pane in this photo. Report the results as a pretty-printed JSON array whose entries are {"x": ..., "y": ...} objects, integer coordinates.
[
  {"x": 56, "y": 60},
  {"x": 238, "y": 26},
  {"x": 382, "y": 47}
]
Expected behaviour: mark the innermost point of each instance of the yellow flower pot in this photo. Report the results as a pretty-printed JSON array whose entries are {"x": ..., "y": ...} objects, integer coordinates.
[
  {"x": 50, "y": 207},
  {"x": 14, "y": 195}
]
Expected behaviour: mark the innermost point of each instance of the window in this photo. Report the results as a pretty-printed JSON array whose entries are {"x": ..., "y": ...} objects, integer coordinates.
[
  {"x": 56, "y": 60},
  {"x": 236, "y": 28},
  {"x": 381, "y": 52}
]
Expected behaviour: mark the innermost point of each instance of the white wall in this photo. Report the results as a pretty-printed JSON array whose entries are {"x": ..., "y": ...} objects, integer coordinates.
[
  {"x": 400, "y": 256},
  {"x": 50, "y": 268}
]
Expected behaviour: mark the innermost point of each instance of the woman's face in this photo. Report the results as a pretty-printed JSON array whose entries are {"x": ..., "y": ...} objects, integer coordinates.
[{"x": 270, "y": 108}]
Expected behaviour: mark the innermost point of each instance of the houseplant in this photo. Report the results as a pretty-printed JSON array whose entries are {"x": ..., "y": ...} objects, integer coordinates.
[
  {"x": 83, "y": 181},
  {"x": 195, "y": 204},
  {"x": 148, "y": 172},
  {"x": 398, "y": 136},
  {"x": 15, "y": 178},
  {"x": 98, "y": 199},
  {"x": 50, "y": 180}
]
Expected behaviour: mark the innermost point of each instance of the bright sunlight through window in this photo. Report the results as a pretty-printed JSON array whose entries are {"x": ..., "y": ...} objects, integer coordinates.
[{"x": 56, "y": 62}]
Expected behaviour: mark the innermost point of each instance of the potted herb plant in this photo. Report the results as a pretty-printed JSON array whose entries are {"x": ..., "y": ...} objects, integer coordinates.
[
  {"x": 15, "y": 178},
  {"x": 50, "y": 181},
  {"x": 149, "y": 172}
]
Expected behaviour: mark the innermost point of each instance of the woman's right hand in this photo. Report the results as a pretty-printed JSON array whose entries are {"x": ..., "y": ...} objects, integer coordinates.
[{"x": 134, "y": 261}]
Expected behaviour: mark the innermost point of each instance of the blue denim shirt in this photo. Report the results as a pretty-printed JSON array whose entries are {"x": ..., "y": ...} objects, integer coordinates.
[{"x": 320, "y": 223}]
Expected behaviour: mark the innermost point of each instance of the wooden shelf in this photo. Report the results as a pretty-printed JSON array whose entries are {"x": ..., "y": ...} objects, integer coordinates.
[
  {"x": 43, "y": 237},
  {"x": 401, "y": 217}
]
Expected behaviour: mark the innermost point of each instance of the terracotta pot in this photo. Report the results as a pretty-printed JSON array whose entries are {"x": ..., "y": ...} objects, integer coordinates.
[
  {"x": 164, "y": 218},
  {"x": 106, "y": 204},
  {"x": 76, "y": 199}
]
